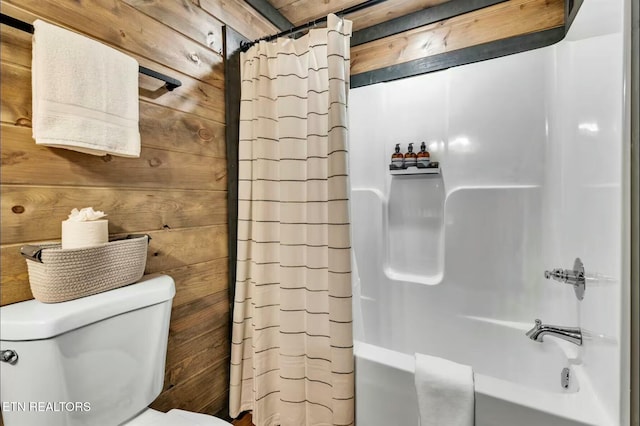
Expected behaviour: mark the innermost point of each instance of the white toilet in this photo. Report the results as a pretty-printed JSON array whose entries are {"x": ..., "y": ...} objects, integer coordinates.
[{"x": 98, "y": 360}]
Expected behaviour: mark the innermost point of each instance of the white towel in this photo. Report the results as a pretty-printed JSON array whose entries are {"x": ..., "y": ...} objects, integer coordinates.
[
  {"x": 85, "y": 94},
  {"x": 445, "y": 392}
]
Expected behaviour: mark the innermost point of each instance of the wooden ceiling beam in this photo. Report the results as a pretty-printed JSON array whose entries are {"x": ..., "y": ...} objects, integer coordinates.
[
  {"x": 474, "y": 52},
  {"x": 419, "y": 19},
  {"x": 467, "y": 55},
  {"x": 264, "y": 8}
]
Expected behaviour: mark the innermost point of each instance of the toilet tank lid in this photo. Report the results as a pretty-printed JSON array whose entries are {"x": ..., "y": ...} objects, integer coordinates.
[{"x": 33, "y": 320}]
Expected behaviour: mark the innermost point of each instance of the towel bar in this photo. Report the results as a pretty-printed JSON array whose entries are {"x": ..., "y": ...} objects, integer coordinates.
[{"x": 171, "y": 83}]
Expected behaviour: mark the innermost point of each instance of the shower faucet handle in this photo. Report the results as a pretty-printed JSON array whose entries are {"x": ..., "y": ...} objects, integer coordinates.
[
  {"x": 565, "y": 276},
  {"x": 574, "y": 277}
]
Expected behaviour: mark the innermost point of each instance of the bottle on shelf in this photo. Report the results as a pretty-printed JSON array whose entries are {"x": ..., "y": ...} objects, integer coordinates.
[
  {"x": 410, "y": 158},
  {"x": 397, "y": 159},
  {"x": 423, "y": 158}
]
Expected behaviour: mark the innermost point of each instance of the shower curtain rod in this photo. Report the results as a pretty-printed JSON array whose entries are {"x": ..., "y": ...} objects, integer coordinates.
[
  {"x": 171, "y": 83},
  {"x": 245, "y": 45}
]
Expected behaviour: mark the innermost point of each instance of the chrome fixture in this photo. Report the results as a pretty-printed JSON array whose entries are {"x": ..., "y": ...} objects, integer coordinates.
[
  {"x": 574, "y": 277},
  {"x": 565, "y": 378},
  {"x": 9, "y": 355},
  {"x": 570, "y": 334}
]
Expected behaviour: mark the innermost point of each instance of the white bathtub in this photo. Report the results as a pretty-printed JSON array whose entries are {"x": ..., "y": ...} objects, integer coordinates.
[
  {"x": 474, "y": 311},
  {"x": 525, "y": 393},
  {"x": 451, "y": 264}
]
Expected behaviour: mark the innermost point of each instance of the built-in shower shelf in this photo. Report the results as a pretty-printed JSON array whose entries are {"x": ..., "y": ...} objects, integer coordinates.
[{"x": 416, "y": 171}]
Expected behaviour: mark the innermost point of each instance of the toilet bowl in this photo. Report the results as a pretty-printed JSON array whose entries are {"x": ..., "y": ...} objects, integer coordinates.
[
  {"x": 174, "y": 417},
  {"x": 98, "y": 360}
]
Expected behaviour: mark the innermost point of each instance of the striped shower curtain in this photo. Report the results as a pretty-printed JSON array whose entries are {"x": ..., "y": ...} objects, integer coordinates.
[{"x": 292, "y": 347}]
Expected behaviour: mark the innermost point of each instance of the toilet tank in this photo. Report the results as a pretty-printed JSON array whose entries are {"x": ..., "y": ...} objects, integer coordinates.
[{"x": 98, "y": 360}]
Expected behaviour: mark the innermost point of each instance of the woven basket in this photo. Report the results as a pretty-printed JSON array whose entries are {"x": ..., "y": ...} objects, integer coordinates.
[{"x": 58, "y": 275}]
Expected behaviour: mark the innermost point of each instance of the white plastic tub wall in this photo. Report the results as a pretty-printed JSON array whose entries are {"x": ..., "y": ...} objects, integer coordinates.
[{"x": 534, "y": 174}]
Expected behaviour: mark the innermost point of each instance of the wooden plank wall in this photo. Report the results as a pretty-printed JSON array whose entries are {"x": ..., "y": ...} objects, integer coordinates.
[
  {"x": 302, "y": 11},
  {"x": 501, "y": 21},
  {"x": 175, "y": 191}
]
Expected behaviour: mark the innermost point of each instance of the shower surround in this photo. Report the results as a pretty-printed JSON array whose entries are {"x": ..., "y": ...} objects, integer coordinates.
[{"x": 534, "y": 164}]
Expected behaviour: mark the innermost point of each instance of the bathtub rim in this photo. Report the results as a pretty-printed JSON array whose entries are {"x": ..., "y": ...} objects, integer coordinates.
[{"x": 581, "y": 406}]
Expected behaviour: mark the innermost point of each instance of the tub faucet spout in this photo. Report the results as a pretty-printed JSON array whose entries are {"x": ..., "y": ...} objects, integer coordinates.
[{"x": 570, "y": 334}]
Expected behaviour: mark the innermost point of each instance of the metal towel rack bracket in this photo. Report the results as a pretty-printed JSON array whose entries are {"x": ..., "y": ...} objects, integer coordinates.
[{"x": 170, "y": 83}]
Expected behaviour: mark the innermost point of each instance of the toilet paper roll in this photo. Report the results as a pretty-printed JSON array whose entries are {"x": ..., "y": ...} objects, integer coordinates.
[{"x": 84, "y": 234}]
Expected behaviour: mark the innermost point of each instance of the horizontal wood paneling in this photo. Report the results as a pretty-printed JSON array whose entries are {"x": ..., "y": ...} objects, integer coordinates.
[
  {"x": 198, "y": 280},
  {"x": 15, "y": 85},
  {"x": 190, "y": 331},
  {"x": 173, "y": 130},
  {"x": 221, "y": 403},
  {"x": 175, "y": 248},
  {"x": 110, "y": 22},
  {"x": 194, "y": 96},
  {"x": 196, "y": 318},
  {"x": 159, "y": 127},
  {"x": 13, "y": 275},
  {"x": 176, "y": 191},
  {"x": 130, "y": 210},
  {"x": 497, "y": 22},
  {"x": 24, "y": 162},
  {"x": 303, "y": 11},
  {"x": 198, "y": 337},
  {"x": 15, "y": 45},
  {"x": 239, "y": 16},
  {"x": 168, "y": 249},
  {"x": 390, "y": 9},
  {"x": 185, "y": 17},
  {"x": 196, "y": 391},
  {"x": 200, "y": 358}
]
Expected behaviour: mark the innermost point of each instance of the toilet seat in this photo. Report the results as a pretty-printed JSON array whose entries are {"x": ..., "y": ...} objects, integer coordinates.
[
  {"x": 196, "y": 418},
  {"x": 175, "y": 417}
]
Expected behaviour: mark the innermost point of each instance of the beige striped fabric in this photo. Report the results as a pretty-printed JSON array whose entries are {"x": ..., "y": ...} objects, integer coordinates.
[{"x": 292, "y": 347}]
